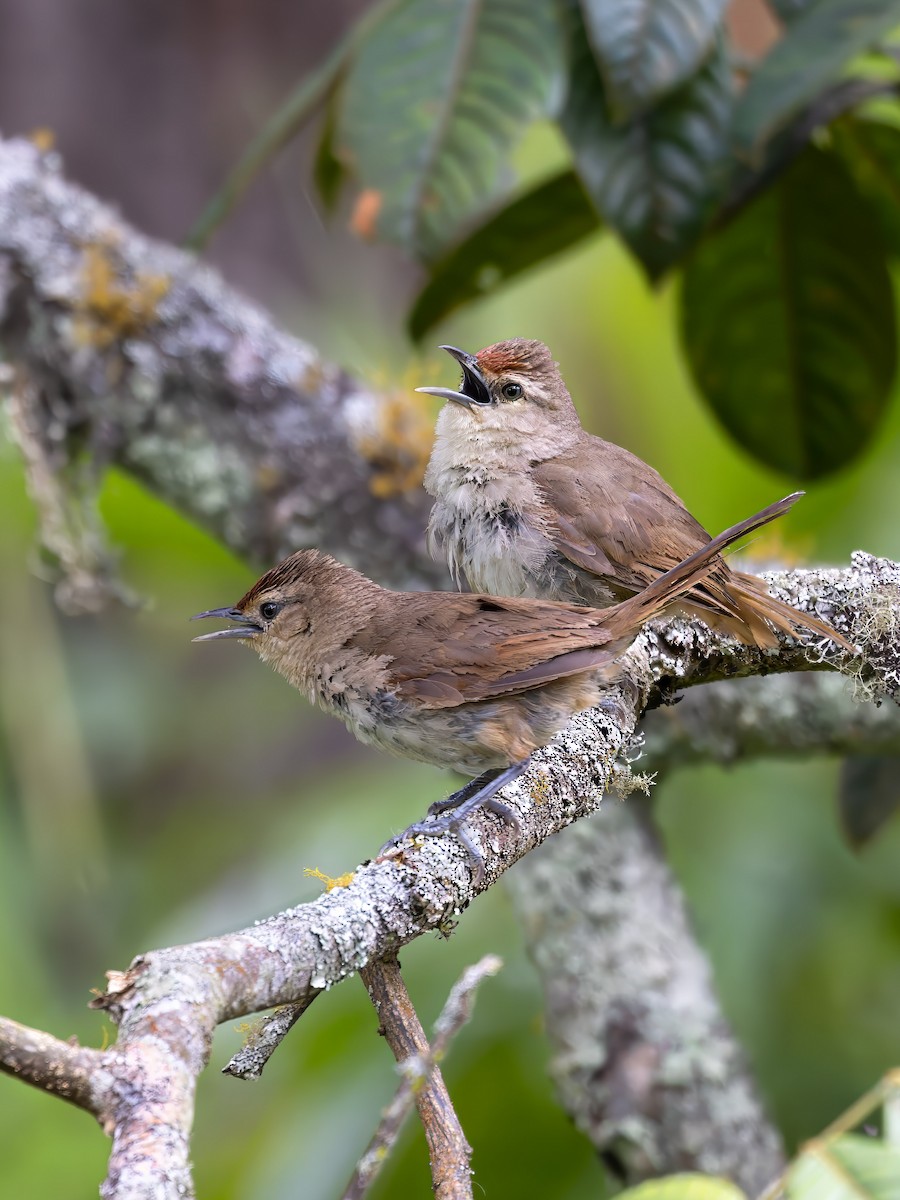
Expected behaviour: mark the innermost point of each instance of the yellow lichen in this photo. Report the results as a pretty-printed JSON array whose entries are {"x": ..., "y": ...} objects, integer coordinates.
[
  {"x": 539, "y": 789},
  {"x": 330, "y": 882},
  {"x": 268, "y": 477},
  {"x": 398, "y": 444},
  {"x": 109, "y": 308},
  {"x": 43, "y": 138}
]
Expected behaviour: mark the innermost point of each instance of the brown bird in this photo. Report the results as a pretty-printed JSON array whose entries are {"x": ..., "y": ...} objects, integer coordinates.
[
  {"x": 470, "y": 682},
  {"x": 528, "y": 503}
]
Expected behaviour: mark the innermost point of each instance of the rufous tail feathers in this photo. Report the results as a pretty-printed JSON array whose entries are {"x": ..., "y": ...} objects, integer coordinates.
[{"x": 749, "y": 611}]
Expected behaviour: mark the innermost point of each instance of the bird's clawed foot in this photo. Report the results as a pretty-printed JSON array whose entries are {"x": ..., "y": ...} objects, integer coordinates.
[{"x": 447, "y": 816}]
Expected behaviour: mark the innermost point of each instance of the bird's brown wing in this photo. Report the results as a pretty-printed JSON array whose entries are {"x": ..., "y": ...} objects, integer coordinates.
[
  {"x": 615, "y": 516},
  {"x": 460, "y": 648}
]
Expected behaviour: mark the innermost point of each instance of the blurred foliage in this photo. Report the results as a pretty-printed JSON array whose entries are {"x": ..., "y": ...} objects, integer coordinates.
[
  {"x": 152, "y": 791},
  {"x": 681, "y": 148}
]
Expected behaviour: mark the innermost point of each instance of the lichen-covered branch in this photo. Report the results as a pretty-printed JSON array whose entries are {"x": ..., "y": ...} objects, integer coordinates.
[
  {"x": 169, "y": 1001},
  {"x": 65, "y": 1069},
  {"x": 643, "y": 1060},
  {"x": 781, "y": 716},
  {"x": 135, "y": 354}
]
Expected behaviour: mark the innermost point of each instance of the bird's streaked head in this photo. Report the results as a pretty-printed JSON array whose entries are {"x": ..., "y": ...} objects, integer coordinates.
[
  {"x": 302, "y": 605},
  {"x": 510, "y": 376}
]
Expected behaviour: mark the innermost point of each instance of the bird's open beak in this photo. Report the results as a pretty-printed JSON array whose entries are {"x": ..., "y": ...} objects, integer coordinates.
[
  {"x": 473, "y": 389},
  {"x": 244, "y": 627}
]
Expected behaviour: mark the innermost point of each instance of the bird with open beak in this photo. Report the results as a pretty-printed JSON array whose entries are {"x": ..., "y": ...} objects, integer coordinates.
[
  {"x": 470, "y": 682},
  {"x": 528, "y": 503}
]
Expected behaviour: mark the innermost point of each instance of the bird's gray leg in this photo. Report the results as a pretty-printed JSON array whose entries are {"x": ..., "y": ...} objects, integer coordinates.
[
  {"x": 470, "y": 789},
  {"x": 456, "y": 808}
]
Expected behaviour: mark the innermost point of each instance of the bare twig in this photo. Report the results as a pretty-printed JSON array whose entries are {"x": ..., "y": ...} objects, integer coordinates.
[
  {"x": 70, "y": 523},
  {"x": 422, "y": 1082},
  {"x": 264, "y": 1039}
]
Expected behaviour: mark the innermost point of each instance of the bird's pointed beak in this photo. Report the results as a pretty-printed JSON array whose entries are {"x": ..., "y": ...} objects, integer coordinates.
[
  {"x": 473, "y": 390},
  {"x": 244, "y": 627}
]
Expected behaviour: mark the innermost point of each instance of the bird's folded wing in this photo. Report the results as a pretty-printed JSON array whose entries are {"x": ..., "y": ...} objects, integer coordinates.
[
  {"x": 628, "y": 532},
  {"x": 460, "y": 648}
]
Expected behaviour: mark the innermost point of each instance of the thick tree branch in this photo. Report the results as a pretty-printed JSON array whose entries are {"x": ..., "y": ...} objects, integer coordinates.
[
  {"x": 138, "y": 356},
  {"x": 644, "y": 1061},
  {"x": 782, "y": 716}
]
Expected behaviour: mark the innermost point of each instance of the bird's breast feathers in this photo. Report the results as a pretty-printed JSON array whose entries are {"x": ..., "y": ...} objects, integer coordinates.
[{"x": 491, "y": 529}]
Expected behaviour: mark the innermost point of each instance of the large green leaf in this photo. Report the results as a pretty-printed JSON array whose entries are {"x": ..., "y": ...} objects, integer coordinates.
[
  {"x": 654, "y": 179},
  {"x": 684, "y": 1187},
  {"x": 788, "y": 321},
  {"x": 544, "y": 221},
  {"x": 646, "y": 48},
  {"x": 438, "y": 94},
  {"x": 812, "y": 54},
  {"x": 871, "y": 150},
  {"x": 749, "y": 178},
  {"x": 849, "y": 1168}
]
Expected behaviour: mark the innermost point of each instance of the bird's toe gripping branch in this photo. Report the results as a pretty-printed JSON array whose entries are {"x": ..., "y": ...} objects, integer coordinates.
[{"x": 448, "y": 816}]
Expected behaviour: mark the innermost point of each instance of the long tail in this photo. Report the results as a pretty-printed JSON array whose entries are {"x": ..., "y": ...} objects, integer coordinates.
[{"x": 751, "y": 600}]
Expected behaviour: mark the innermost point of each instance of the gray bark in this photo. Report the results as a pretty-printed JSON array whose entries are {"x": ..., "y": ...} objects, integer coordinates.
[{"x": 139, "y": 356}]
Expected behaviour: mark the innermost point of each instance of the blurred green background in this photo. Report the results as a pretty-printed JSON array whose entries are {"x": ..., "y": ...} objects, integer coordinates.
[{"x": 153, "y": 791}]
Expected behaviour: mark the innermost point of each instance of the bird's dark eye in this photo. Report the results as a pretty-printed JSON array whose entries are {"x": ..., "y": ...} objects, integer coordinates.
[
  {"x": 512, "y": 391},
  {"x": 269, "y": 610}
]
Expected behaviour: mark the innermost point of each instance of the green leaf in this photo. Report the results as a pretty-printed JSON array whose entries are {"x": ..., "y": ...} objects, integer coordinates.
[
  {"x": 438, "y": 95},
  {"x": 684, "y": 1187},
  {"x": 849, "y": 1168},
  {"x": 646, "y": 48},
  {"x": 812, "y": 54},
  {"x": 750, "y": 178},
  {"x": 869, "y": 795},
  {"x": 871, "y": 150},
  {"x": 545, "y": 221},
  {"x": 788, "y": 321},
  {"x": 655, "y": 179}
]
